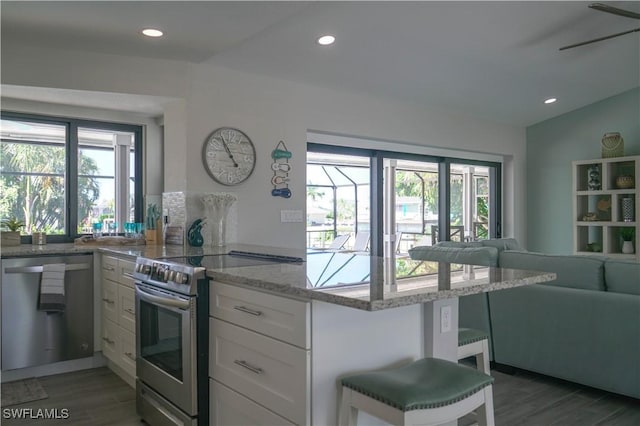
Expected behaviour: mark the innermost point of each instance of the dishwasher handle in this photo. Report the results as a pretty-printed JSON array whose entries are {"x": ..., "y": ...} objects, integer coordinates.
[{"x": 38, "y": 269}]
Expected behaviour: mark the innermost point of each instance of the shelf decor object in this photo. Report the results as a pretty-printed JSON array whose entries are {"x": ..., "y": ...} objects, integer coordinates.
[
  {"x": 627, "y": 209},
  {"x": 612, "y": 145},
  {"x": 217, "y": 207},
  {"x": 602, "y": 214},
  {"x": 624, "y": 182},
  {"x": 594, "y": 178}
]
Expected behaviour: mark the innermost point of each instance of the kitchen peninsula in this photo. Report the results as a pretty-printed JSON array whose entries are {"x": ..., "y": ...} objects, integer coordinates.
[{"x": 282, "y": 334}]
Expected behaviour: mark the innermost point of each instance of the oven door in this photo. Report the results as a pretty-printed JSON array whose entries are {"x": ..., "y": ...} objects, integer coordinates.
[{"x": 166, "y": 345}]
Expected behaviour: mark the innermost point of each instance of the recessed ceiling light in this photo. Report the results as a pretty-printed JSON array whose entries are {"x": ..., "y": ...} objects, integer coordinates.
[
  {"x": 550, "y": 100},
  {"x": 151, "y": 32},
  {"x": 326, "y": 40}
]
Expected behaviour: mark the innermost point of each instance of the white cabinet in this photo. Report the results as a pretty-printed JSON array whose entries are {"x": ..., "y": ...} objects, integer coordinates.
[
  {"x": 260, "y": 352},
  {"x": 230, "y": 408},
  {"x": 606, "y": 201},
  {"x": 119, "y": 316}
]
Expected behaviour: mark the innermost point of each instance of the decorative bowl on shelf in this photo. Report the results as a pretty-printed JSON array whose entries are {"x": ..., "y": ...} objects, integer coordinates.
[{"x": 624, "y": 182}]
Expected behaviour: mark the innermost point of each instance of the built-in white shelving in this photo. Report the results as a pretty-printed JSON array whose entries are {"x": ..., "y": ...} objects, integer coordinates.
[{"x": 601, "y": 234}]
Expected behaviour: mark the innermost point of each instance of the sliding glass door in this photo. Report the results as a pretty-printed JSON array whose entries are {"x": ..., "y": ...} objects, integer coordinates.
[{"x": 401, "y": 200}]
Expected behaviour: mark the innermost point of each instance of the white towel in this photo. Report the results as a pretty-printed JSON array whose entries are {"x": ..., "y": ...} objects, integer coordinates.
[{"x": 52, "y": 288}]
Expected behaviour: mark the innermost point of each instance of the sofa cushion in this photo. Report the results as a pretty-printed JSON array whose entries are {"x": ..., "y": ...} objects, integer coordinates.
[
  {"x": 572, "y": 271},
  {"x": 622, "y": 276},
  {"x": 483, "y": 256},
  {"x": 502, "y": 244},
  {"x": 459, "y": 244}
]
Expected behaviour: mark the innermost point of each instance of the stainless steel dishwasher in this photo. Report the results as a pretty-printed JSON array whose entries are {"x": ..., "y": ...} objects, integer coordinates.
[{"x": 32, "y": 337}]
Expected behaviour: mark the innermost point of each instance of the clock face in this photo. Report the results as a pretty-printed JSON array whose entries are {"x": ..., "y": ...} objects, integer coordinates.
[{"x": 228, "y": 156}]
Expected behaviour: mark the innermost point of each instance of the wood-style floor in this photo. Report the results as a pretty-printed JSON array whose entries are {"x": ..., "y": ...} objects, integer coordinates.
[{"x": 99, "y": 397}]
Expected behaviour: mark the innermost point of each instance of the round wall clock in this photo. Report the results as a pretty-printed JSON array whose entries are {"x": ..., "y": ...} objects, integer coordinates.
[{"x": 228, "y": 156}]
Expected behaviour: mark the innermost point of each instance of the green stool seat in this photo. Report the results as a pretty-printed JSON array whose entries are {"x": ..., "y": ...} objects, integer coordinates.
[
  {"x": 470, "y": 335},
  {"x": 424, "y": 384}
]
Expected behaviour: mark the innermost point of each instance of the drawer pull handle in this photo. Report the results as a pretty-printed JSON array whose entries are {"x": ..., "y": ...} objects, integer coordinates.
[
  {"x": 109, "y": 268},
  {"x": 247, "y": 310},
  {"x": 109, "y": 301},
  {"x": 248, "y": 366},
  {"x": 128, "y": 275},
  {"x": 109, "y": 341},
  {"x": 131, "y": 311},
  {"x": 130, "y": 355}
]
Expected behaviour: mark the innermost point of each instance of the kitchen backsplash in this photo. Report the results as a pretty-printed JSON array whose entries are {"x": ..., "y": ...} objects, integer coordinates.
[{"x": 184, "y": 207}]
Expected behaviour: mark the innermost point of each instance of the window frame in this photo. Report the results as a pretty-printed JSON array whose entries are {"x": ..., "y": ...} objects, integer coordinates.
[{"x": 71, "y": 176}]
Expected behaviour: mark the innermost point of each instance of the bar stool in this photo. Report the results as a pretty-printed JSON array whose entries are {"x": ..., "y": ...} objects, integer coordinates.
[
  {"x": 429, "y": 391},
  {"x": 473, "y": 342}
]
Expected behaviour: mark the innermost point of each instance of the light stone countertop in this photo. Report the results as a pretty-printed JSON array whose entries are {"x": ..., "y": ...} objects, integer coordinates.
[
  {"x": 357, "y": 280},
  {"x": 150, "y": 251},
  {"x": 347, "y": 279}
]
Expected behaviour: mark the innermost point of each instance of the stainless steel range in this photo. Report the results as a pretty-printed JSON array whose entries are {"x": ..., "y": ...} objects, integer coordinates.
[
  {"x": 171, "y": 342},
  {"x": 172, "y": 336}
]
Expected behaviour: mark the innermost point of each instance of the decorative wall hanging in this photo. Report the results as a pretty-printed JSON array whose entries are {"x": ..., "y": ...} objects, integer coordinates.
[{"x": 281, "y": 169}]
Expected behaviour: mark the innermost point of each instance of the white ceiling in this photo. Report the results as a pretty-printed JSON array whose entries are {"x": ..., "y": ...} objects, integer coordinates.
[{"x": 497, "y": 60}]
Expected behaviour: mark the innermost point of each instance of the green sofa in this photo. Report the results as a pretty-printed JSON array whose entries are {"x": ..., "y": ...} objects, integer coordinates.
[{"x": 583, "y": 327}]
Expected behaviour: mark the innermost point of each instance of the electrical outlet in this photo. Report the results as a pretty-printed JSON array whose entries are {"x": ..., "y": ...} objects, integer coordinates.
[
  {"x": 290, "y": 216},
  {"x": 445, "y": 319}
]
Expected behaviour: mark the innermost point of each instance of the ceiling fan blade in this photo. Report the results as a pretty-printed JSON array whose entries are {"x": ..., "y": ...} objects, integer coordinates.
[
  {"x": 600, "y": 39},
  {"x": 610, "y": 9}
]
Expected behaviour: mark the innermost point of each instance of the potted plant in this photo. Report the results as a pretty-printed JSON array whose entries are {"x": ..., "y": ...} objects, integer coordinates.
[
  {"x": 627, "y": 235},
  {"x": 10, "y": 236}
]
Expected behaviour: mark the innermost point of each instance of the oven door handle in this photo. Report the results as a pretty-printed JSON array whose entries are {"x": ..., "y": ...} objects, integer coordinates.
[{"x": 162, "y": 301}]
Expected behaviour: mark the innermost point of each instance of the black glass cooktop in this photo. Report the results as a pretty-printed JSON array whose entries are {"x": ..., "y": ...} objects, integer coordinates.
[{"x": 233, "y": 259}]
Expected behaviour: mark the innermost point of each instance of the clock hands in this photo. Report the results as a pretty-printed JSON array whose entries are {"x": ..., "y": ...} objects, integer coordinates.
[{"x": 226, "y": 148}]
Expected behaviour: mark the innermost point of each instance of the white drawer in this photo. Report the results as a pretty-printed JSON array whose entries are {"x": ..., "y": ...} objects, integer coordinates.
[
  {"x": 127, "y": 355},
  {"x": 127, "y": 308},
  {"x": 229, "y": 408},
  {"x": 110, "y": 300},
  {"x": 275, "y": 316},
  {"x": 110, "y": 268},
  {"x": 272, "y": 373},
  {"x": 125, "y": 272},
  {"x": 110, "y": 340}
]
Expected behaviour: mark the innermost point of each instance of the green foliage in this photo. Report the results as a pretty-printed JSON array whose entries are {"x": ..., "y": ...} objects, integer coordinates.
[
  {"x": 627, "y": 234},
  {"x": 314, "y": 193},
  {"x": 39, "y": 198},
  {"x": 409, "y": 184},
  {"x": 12, "y": 224}
]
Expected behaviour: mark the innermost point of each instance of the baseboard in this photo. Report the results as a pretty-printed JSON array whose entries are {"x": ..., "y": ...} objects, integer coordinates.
[
  {"x": 97, "y": 360},
  {"x": 502, "y": 368}
]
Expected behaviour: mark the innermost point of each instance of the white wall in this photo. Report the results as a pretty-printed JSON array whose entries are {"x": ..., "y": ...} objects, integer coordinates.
[{"x": 268, "y": 110}]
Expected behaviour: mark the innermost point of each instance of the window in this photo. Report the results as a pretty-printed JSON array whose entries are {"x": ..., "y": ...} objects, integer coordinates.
[
  {"x": 403, "y": 200},
  {"x": 59, "y": 176}
]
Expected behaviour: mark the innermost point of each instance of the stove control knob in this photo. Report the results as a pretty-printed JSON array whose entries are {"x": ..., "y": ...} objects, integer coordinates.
[
  {"x": 146, "y": 269},
  {"x": 165, "y": 274},
  {"x": 181, "y": 278},
  {"x": 172, "y": 275}
]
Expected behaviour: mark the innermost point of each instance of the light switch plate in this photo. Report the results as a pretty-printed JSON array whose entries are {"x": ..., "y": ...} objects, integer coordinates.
[{"x": 288, "y": 216}]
